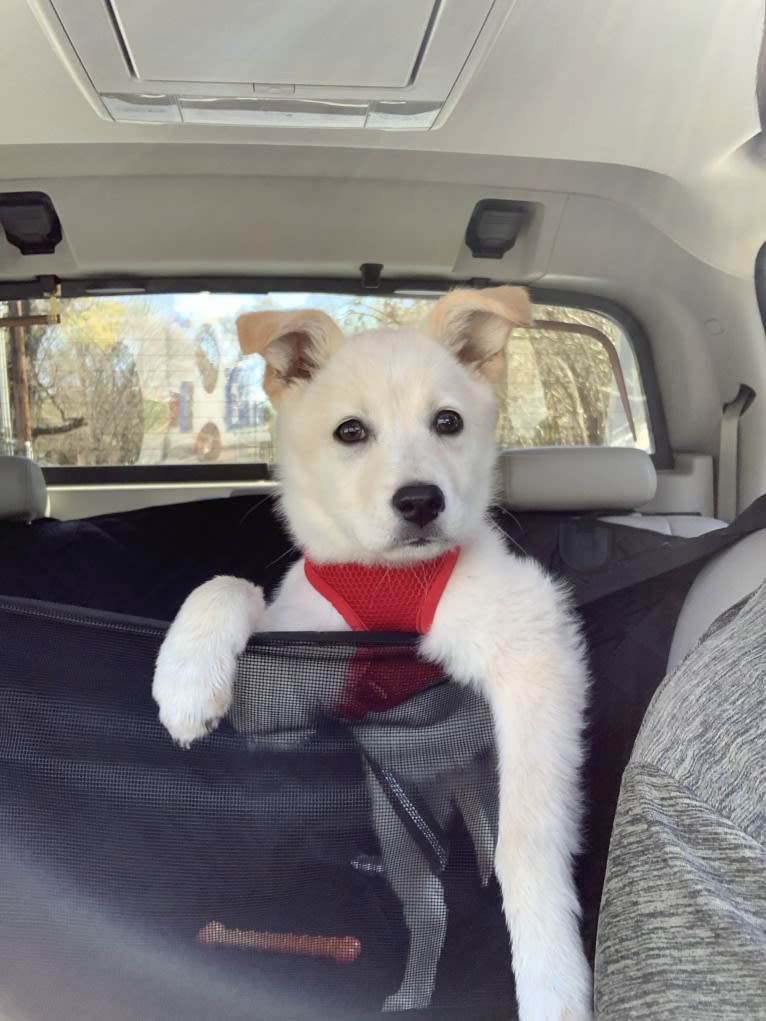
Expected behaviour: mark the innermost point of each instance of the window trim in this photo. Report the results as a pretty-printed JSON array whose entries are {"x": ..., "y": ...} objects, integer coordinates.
[
  {"x": 662, "y": 457},
  {"x": 557, "y": 326},
  {"x": 155, "y": 474}
]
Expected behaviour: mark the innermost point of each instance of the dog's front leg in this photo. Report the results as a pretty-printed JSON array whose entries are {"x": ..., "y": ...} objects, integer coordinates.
[
  {"x": 507, "y": 631},
  {"x": 539, "y": 803},
  {"x": 197, "y": 662}
]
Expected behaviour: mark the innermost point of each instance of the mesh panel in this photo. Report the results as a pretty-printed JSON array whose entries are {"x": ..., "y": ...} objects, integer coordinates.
[{"x": 294, "y": 820}]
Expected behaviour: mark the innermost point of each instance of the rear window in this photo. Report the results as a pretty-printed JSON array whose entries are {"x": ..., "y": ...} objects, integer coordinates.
[{"x": 153, "y": 380}]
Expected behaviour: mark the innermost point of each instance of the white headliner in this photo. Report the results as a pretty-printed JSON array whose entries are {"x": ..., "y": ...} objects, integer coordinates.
[
  {"x": 631, "y": 123},
  {"x": 663, "y": 87}
]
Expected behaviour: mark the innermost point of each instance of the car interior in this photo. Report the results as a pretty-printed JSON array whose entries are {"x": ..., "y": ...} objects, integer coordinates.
[{"x": 165, "y": 167}]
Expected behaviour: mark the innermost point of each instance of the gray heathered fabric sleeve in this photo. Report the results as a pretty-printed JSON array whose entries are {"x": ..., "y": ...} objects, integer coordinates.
[{"x": 682, "y": 930}]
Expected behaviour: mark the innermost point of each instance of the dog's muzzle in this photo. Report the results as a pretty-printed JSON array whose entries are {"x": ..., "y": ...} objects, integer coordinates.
[{"x": 419, "y": 503}]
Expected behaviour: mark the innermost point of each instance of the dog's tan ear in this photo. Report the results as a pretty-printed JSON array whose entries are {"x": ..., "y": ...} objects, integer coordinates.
[
  {"x": 293, "y": 345},
  {"x": 475, "y": 325}
]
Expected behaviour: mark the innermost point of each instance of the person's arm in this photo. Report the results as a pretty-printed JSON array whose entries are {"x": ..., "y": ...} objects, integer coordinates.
[{"x": 682, "y": 929}]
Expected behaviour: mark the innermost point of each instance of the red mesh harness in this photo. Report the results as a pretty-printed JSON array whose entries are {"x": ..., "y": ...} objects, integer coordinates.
[{"x": 383, "y": 599}]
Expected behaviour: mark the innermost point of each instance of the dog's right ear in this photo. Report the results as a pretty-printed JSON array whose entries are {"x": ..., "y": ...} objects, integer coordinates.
[{"x": 293, "y": 345}]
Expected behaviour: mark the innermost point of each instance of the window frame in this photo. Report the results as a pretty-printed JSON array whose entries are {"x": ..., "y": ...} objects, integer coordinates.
[
  {"x": 159, "y": 475},
  {"x": 662, "y": 457}
]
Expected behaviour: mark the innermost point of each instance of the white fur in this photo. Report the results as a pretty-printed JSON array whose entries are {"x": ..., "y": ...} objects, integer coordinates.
[{"x": 502, "y": 625}]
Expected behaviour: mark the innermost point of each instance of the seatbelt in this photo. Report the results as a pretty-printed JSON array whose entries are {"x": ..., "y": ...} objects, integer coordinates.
[
  {"x": 667, "y": 556},
  {"x": 728, "y": 453}
]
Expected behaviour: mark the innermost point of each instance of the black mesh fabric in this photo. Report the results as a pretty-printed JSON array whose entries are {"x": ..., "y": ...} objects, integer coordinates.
[
  {"x": 118, "y": 848},
  {"x": 146, "y": 561}
]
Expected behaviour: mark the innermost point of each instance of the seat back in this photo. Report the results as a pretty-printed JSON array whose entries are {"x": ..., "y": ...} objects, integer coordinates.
[
  {"x": 615, "y": 480},
  {"x": 727, "y": 579},
  {"x": 23, "y": 493}
]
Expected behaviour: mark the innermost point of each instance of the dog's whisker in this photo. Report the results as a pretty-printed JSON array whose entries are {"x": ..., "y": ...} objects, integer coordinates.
[
  {"x": 288, "y": 552},
  {"x": 422, "y": 575},
  {"x": 519, "y": 547},
  {"x": 515, "y": 520},
  {"x": 266, "y": 498},
  {"x": 498, "y": 507}
]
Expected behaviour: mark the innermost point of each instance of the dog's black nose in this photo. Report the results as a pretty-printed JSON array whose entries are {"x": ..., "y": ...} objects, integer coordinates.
[{"x": 419, "y": 503}]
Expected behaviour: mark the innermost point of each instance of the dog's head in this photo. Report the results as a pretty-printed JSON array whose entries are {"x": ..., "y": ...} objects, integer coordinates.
[{"x": 386, "y": 439}]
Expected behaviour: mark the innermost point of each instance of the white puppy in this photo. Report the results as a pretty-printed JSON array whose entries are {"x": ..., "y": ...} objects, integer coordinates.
[{"x": 387, "y": 459}]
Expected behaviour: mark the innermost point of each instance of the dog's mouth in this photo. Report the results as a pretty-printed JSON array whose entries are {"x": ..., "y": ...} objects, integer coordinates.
[{"x": 416, "y": 547}]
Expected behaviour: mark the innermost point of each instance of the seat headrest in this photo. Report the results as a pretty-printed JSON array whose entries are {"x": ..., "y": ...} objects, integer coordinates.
[
  {"x": 23, "y": 493},
  {"x": 577, "y": 478}
]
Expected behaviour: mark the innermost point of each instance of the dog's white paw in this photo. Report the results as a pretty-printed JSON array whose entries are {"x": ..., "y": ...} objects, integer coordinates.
[
  {"x": 575, "y": 1014},
  {"x": 548, "y": 1003},
  {"x": 551, "y": 1009},
  {"x": 193, "y": 693},
  {"x": 197, "y": 663},
  {"x": 556, "y": 986}
]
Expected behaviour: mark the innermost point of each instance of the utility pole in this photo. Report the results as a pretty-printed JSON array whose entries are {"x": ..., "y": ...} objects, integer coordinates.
[
  {"x": 6, "y": 419},
  {"x": 19, "y": 374}
]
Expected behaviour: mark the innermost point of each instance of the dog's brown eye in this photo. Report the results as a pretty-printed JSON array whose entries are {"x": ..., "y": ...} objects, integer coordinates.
[
  {"x": 446, "y": 423},
  {"x": 351, "y": 431}
]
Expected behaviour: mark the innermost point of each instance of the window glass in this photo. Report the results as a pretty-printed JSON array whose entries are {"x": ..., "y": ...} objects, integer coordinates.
[
  {"x": 573, "y": 380},
  {"x": 160, "y": 379}
]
